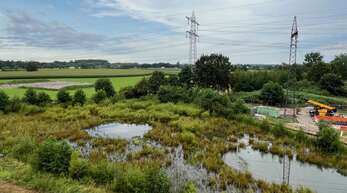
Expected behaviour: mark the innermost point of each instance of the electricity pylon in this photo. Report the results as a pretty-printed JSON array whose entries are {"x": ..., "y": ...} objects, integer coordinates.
[
  {"x": 292, "y": 63},
  {"x": 192, "y": 34}
]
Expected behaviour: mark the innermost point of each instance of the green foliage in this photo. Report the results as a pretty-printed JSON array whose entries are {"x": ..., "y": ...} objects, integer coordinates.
[
  {"x": 157, "y": 181},
  {"x": 239, "y": 107},
  {"x": 79, "y": 97},
  {"x": 99, "y": 96},
  {"x": 15, "y": 105},
  {"x": 214, "y": 102},
  {"x": 139, "y": 90},
  {"x": 339, "y": 65},
  {"x": 132, "y": 180},
  {"x": 172, "y": 94},
  {"x": 24, "y": 148},
  {"x": 78, "y": 168},
  {"x": 105, "y": 85},
  {"x": 4, "y": 100},
  {"x": 189, "y": 187},
  {"x": 328, "y": 139},
  {"x": 103, "y": 173},
  {"x": 313, "y": 58},
  {"x": 279, "y": 131},
  {"x": 32, "y": 66},
  {"x": 272, "y": 93},
  {"x": 53, "y": 156},
  {"x": 333, "y": 83},
  {"x": 173, "y": 80},
  {"x": 213, "y": 71},
  {"x": 63, "y": 97},
  {"x": 43, "y": 99},
  {"x": 186, "y": 76},
  {"x": 155, "y": 81},
  {"x": 30, "y": 96}
]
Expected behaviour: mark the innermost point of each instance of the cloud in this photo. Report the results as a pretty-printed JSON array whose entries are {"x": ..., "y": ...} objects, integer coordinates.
[{"x": 28, "y": 31}]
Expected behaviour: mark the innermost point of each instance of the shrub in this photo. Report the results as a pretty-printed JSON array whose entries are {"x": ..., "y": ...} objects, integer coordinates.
[
  {"x": 239, "y": 107},
  {"x": 105, "y": 85},
  {"x": 102, "y": 172},
  {"x": 63, "y": 96},
  {"x": 30, "y": 96},
  {"x": 99, "y": 96},
  {"x": 328, "y": 139},
  {"x": 279, "y": 130},
  {"x": 272, "y": 93},
  {"x": 132, "y": 180},
  {"x": 173, "y": 80},
  {"x": 4, "y": 100},
  {"x": 53, "y": 156},
  {"x": 24, "y": 148},
  {"x": 155, "y": 81},
  {"x": 333, "y": 83},
  {"x": 43, "y": 99},
  {"x": 189, "y": 187},
  {"x": 157, "y": 181},
  {"x": 79, "y": 97},
  {"x": 14, "y": 105},
  {"x": 212, "y": 101},
  {"x": 78, "y": 168},
  {"x": 172, "y": 94}
]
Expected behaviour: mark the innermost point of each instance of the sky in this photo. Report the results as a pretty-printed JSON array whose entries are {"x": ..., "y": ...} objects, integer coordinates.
[{"x": 146, "y": 31}]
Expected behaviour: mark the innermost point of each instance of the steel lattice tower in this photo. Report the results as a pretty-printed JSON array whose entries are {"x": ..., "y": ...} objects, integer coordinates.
[
  {"x": 292, "y": 62},
  {"x": 192, "y": 34}
]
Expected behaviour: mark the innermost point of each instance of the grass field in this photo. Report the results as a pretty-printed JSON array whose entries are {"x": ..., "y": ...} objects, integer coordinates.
[
  {"x": 80, "y": 73},
  {"x": 120, "y": 77}
]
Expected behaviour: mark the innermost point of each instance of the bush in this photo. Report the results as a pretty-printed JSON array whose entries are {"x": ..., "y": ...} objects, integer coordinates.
[
  {"x": 328, "y": 140},
  {"x": 43, "y": 99},
  {"x": 157, "y": 181},
  {"x": 105, "y": 85},
  {"x": 333, "y": 83},
  {"x": 133, "y": 180},
  {"x": 79, "y": 97},
  {"x": 63, "y": 96},
  {"x": 24, "y": 148},
  {"x": 279, "y": 130},
  {"x": 214, "y": 102},
  {"x": 53, "y": 156},
  {"x": 30, "y": 96},
  {"x": 15, "y": 105},
  {"x": 103, "y": 173},
  {"x": 189, "y": 187},
  {"x": 78, "y": 168},
  {"x": 99, "y": 96},
  {"x": 239, "y": 107},
  {"x": 155, "y": 81},
  {"x": 4, "y": 100},
  {"x": 172, "y": 94},
  {"x": 272, "y": 93}
]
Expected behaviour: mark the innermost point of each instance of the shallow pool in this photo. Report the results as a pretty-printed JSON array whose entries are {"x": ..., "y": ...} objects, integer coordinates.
[{"x": 119, "y": 130}]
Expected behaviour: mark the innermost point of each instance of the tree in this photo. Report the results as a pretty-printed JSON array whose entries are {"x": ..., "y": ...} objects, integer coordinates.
[
  {"x": 272, "y": 93},
  {"x": 43, "y": 99},
  {"x": 317, "y": 70},
  {"x": 105, "y": 85},
  {"x": 79, "y": 97},
  {"x": 99, "y": 96},
  {"x": 30, "y": 96},
  {"x": 333, "y": 83},
  {"x": 186, "y": 75},
  {"x": 213, "y": 71},
  {"x": 213, "y": 102},
  {"x": 313, "y": 58},
  {"x": 32, "y": 66},
  {"x": 155, "y": 81},
  {"x": 63, "y": 96},
  {"x": 173, "y": 80},
  {"x": 4, "y": 100},
  {"x": 328, "y": 139},
  {"x": 172, "y": 94},
  {"x": 339, "y": 65}
]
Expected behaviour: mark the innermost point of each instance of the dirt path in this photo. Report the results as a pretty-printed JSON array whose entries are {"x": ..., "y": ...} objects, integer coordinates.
[{"x": 11, "y": 188}]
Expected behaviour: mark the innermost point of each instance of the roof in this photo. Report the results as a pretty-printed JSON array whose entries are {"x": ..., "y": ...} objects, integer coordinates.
[{"x": 333, "y": 119}]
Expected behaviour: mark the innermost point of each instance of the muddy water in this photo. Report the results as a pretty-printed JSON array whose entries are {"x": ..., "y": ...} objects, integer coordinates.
[
  {"x": 118, "y": 130},
  {"x": 269, "y": 168}
]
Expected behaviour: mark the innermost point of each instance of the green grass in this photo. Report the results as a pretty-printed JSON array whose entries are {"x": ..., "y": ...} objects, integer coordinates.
[
  {"x": 80, "y": 73},
  {"x": 118, "y": 83}
]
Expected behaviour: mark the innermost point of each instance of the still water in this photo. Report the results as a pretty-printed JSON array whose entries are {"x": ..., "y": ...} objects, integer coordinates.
[
  {"x": 119, "y": 130},
  {"x": 269, "y": 168}
]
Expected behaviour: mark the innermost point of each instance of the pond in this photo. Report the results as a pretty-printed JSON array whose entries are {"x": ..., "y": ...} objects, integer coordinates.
[
  {"x": 119, "y": 130},
  {"x": 269, "y": 168}
]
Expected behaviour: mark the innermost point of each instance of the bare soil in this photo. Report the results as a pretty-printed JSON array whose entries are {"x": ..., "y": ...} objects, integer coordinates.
[{"x": 11, "y": 188}]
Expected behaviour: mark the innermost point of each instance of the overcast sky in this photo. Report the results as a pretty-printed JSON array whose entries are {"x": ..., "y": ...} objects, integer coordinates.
[{"x": 248, "y": 31}]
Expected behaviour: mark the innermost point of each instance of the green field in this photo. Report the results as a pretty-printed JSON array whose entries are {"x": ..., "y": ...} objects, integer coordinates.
[
  {"x": 120, "y": 77},
  {"x": 80, "y": 73}
]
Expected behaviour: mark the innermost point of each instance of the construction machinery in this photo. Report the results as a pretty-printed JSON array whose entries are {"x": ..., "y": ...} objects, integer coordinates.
[{"x": 322, "y": 109}]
